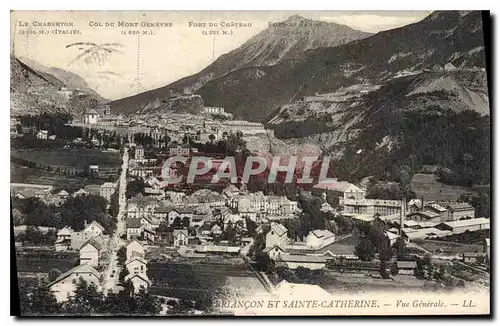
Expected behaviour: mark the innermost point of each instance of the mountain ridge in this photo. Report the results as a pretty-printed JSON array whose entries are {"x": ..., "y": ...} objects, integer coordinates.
[{"x": 267, "y": 48}]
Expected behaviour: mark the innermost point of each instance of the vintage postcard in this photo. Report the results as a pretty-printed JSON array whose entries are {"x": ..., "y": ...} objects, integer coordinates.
[{"x": 256, "y": 163}]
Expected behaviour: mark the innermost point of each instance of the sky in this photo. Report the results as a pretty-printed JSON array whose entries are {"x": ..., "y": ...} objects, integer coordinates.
[{"x": 173, "y": 45}]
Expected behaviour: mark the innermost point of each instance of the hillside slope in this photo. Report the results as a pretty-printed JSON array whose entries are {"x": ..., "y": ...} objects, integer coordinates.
[
  {"x": 68, "y": 78},
  {"x": 254, "y": 93},
  {"x": 33, "y": 92}
]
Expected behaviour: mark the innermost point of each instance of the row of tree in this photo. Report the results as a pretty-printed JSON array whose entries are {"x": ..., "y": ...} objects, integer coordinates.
[
  {"x": 73, "y": 212},
  {"x": 88, "y": 300}
]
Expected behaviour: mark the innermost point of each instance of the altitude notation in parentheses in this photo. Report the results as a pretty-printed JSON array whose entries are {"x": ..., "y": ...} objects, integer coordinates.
[
  {"x": 217, "y": 33},
  {"x": 137, "y": 32}
]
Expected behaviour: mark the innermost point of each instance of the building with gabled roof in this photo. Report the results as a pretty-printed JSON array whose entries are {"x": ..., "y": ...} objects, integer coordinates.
[
  {"x": 471, "y": 225},
  {"x": 460, "y": 211},
  {"x": 180, "y": 237},
  {"x": 64, "y": 286},
  {"x": 319, "y": 238},
  {"x": 80, "y": 192},
  {"x": 139, "y": 281},
  {"x": 63, "y": 194},
  {"x": 134, "y": 228},
  {"x": 135, "y": 246},
  {"x": 90, "y": 253},
  {"x": 277, "y": 235},
  {"x": 136, "y": 265}
]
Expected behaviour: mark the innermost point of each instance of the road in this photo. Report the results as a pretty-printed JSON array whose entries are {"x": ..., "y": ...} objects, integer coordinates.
[{"x": 112, "y": 272}]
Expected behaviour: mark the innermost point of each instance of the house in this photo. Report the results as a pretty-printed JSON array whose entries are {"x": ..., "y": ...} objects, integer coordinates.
[
  {"x": 42, "y": 134},
  {"x": 472, "y": 257},
  {"x": 64, "y": 233},
  {"x": 306, "y": 261},
  {"x": 371, "y": 206},
  {"x": 63, "y": 194},
  {"x": 393, "y": 237},
  {"x": 107, "y": 189},
  {"x": 134, "y": 228},
  {"x": 64, "y": 286},
  {"x": 134, "y": 247},
  {"x": 90, "y": 253},
  {"x": 460, "y": 211},
  {"x": 92, "y": 230},
  {"x": 277, "y": 235},
  {"x": 406, "y": 267},
  {"x": 179, "y": 150},
  {"x": 139, "y": 153},
  {"x": 319, "y": 238},
  {"x": 180, "y": 237},
  {"x": 136, "y": 265},
  {"x": 342, "y": 189},
  {"x": 458, "y": 227},
  {"x": 216, "y": 229},
  {"x": 80, "y": 192},
  {"x": 414, "y": 205},
  {"x": 274, "y": 251},
  {"x": 179, "y": 213},
  {"x": 139, "y": 281},
  {"x": 435, "y": 208},
  {"x": 424, "y": 215},
  {"x": 90, "y": 116}
]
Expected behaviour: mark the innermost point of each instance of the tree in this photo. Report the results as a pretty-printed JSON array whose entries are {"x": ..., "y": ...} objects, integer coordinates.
[
  {"x": 177, "y": 223},
  {"x": 394, "y": 268},
  {"x": 53, "y": 274},
  {"x": 86, "y": 300},
  {"x": 122, "y": 255},
  {"x": 37, "y": 300},
  {"x": 399, "y": 247},
  {"x": 212, "y": 138},
  {"x": 19, "y": 128},
  {"x": 114, "y": 205},
  {"x": 185, "y": 222},
  {"x": 230, "y": 233},
  {"x": 135, "y": 187},
  {"x": 365, "y": 250}
]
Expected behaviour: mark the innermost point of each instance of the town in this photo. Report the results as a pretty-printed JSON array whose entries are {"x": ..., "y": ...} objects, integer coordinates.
[{"x": 116, "y": 226}]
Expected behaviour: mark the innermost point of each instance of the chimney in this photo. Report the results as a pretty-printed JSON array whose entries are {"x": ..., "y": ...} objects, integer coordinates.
[
  {"x": 85, "y": 224},
  {"x": 402, "y": 215},
  {"x": 422, "y": 207}
]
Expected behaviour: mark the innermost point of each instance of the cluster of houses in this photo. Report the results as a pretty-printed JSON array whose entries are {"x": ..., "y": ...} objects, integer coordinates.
[
  {"x": 201, "y": 216},
  {"x": 45, "y": 193},
  {"x": 136, "y": 266},
  {"x": 312, "y": 253},
  {"x": 92, "y": 244}
]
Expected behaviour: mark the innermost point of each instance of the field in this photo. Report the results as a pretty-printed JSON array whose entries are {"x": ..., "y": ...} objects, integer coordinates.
[
  {"x": 427, "y": 186},
  {"x": 64, "y": 158},
  {"x": 201, "y": 281},
  {"x": 450, "y": 247},
  {"x": 44, "y": 261},
  {"x": 71, "y": 158}
]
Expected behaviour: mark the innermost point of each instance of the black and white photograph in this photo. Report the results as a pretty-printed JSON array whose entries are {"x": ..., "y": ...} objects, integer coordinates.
[{"x": 250, "y": 163}]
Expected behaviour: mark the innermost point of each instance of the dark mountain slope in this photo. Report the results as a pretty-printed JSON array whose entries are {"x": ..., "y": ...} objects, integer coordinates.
[
  {"x": 441, "y": 38},
  {"x": 33, "y": 92}
]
